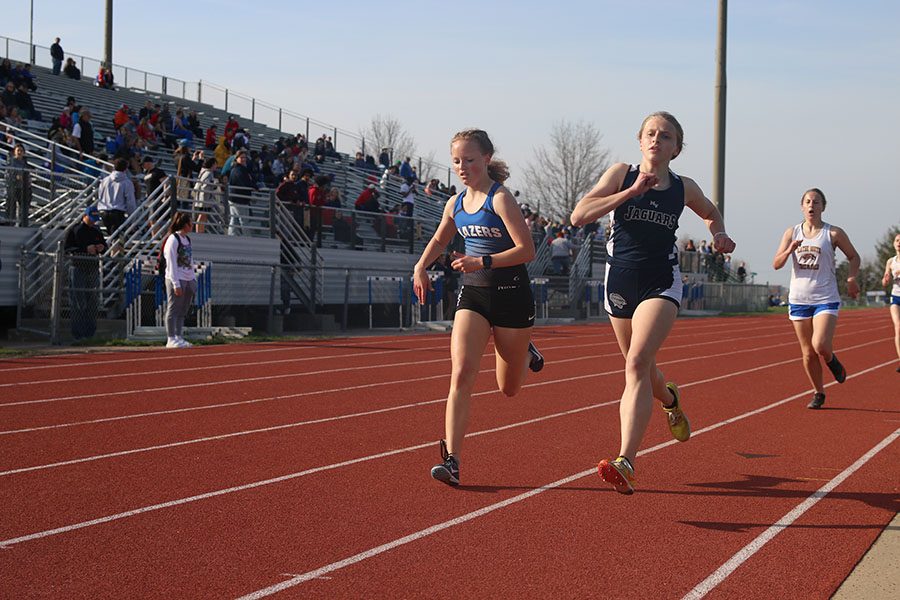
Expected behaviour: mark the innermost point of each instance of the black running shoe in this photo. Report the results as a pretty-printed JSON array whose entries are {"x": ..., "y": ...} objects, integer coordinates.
[
  {"x": 837, "y": 369},
  {"x": 447, "y": 471},
  {"x": 817, "y": 401},
  {"x": 537, "y": 359}
]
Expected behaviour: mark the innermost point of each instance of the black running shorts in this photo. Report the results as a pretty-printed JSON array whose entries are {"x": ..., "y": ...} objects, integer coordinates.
[
  {"x": 502, "y": 305},
  {"x": 626, "y": 288}
]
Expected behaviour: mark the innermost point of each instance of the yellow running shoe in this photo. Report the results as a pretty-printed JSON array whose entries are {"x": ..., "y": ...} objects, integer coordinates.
[
  {"x": 619, "y": 473},
  {"x": 678, "y": 421}
]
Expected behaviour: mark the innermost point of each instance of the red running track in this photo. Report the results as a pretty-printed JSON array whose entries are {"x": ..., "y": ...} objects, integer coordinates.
[{"x": 301, "y": 470}]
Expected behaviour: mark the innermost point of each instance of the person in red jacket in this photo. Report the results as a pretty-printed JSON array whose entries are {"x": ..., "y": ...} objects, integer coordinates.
[{"x": 211, "y": 137}]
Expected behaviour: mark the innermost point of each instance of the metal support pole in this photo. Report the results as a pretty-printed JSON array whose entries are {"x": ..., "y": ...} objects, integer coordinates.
[
  {"x": 56, "y": 298},
  {"x": 252, "y": 109},
  {"x": 200, "y": 92},
  {"x": 279, "y": 120},
  {"x": 108, "y": 53},
  {"x": 346, "y": 299},
  {"x": 334, "y": 141},
  {"x": 307, "y": 131},
  {"x": 226, "y": 99},
  {"x": 270, "y": 320},
  {"x": 721, "y": 87},
  {"x": 273, "y": 229}
]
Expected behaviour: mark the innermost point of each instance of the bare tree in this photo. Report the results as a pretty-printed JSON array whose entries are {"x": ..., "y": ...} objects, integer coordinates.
[
  {"x": 565, "y": 169},
  {"x": 386, "y": 131}
]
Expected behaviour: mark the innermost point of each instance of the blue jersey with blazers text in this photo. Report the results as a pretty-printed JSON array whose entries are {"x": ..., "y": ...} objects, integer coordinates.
[
  {"x": 485, "y": 233},
  {"x": 643, "y": 227}
]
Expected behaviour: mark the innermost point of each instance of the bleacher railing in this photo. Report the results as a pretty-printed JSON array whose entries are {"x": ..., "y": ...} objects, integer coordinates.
[{"x": 209, "y": 93}]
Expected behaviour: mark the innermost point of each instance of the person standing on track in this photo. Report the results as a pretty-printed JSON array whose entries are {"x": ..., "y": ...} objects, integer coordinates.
[
  {"x": 814, "y": 298},
  {"x": 181, "y": 282},
  {"x": 495, "y": 297},
  {"x": 892, "y": 273},
  {"x": 643, "y": 283}
]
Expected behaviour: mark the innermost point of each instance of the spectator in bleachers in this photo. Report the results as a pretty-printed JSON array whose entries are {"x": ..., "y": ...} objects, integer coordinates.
[
  {"x": 121, "y": 117},
  {"x": 65, "y": 118},
  {"x": 84, "y": 240},
  {"x": 180, "y": 128},
  {"x": 241, "y": 184},
  {"x": 207, "y": 198},
  {"x": 56, "y": 55},
  {"x": 406, "y": 170},
  {"x": 368, "y": 199},
  {"x": 146, "y": 132},
  {"x": 360, "y": 162},
  {"x": 83, "y": 132},
  {"x": 18, "y": 187},
  {"x": 319, "y": 148},
  {"x": 329, "y": 148},
  {"x": 23, "y": 75},
  {"x": 222, "y": 152},
  {"x": 26, "y": 105},
  {"x": 384, "y": 159},
  {"x": 184, "y": 170},
  {"x": 116, "y": 198},
  {"x": 318, "y": 196},
  {"x": 689, "y": 246},
  {"x": 231, "y": 126},
  {"x": 293, "y": 195},
  {"x": 240, "y": 140},
  {"x": 370, "y": 163},
  {"x": 71, "y": 70},
  {"x": 153, "y": 175},
  {"x": 333, "y": 198},
  {"x": 193, "y": 123},
  {"x": 211, "y": 135},
  {"x": 408, "y": 191},
  {"x": 105, "y": 78},
  {"x": 146, "y": 111},
  {"x": 8, "y": 97},
  {"x": 561, "y": 249},
  {"x": 14, "y": 117},
  {"x": 5, "y": 71},
  {"x": 742, "y": 272},
  {"x": 279, "y": 167}
]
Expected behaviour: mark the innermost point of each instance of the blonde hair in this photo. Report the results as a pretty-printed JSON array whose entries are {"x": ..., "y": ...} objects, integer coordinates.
[
  {"x": 497, "y": 169},
  {"x": 679, "y": 132}
]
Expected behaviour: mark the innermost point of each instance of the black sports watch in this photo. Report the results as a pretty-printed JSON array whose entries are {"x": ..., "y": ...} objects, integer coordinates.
[{"x": 487, "y": 260}]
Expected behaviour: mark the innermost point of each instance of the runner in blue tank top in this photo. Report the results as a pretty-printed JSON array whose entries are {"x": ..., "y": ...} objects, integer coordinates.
[
  {"x": 643, "y": 283},
  {"x": 495, "y": 297}
]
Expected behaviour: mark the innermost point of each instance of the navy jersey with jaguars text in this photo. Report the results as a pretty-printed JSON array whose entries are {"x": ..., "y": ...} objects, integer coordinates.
[
  {"x": 643, "y": 227},
  {"x": 485, "y": 233}
]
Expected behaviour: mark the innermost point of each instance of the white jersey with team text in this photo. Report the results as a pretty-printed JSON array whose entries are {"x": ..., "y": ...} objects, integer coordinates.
[
  {"x": 812, "y": 268},
  {"x": 895, "y": 273}
]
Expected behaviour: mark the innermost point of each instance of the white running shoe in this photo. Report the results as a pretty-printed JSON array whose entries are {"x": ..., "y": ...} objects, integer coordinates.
[{"x": 172, "y": 343}]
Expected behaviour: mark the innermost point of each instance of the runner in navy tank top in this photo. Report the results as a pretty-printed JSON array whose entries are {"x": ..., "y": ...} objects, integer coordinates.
[
  {"x": 495, "y": 296},
  {"x": 643, "y": 283},
  {"x": 814, "y": 298}
]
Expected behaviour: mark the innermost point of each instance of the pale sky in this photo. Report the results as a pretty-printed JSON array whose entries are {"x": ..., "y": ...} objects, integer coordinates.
[{"x": 813, "y": 90}]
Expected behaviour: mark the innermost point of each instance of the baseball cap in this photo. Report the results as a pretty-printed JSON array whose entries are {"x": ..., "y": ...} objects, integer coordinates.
[{"x": 92, "y": 213}]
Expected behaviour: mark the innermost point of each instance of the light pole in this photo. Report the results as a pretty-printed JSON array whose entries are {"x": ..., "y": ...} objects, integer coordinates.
[
  {"x": 107, "y": 51},
  {"x": 31, "y": 34},
  {"x": 721, "y": 86}
]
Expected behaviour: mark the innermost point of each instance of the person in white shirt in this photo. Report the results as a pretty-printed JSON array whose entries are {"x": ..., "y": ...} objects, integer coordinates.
[
  {"x": 814, "y": 298},
  {"x": 892, "y": 278},
  {"x": 181, "y": 283}
]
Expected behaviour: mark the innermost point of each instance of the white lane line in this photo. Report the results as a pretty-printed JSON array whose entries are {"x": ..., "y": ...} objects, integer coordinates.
[
  {"x": 357, "y": 558},
  {"x": 744, "y": 554},
  {"x": 154, "y": 507},
  {"x": 109, "y": 394},
  {"x": 306, "y": 359},
  {"x": 409, "y": 406},
  {"x": 401, "y": 407},
  {"x": 344, "y": 389}
]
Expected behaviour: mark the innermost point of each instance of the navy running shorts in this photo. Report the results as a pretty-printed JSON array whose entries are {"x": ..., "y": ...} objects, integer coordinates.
[
  {"x": 626, "y": 288},
  {"x": 505, "y": 305}
]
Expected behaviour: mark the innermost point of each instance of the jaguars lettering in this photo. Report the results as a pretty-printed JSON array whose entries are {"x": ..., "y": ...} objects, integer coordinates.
[{"x": 635, "y": 213}]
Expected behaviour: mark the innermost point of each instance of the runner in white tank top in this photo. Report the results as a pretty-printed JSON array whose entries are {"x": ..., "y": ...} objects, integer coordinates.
[
  {"x": 814, "y": 298},
  {"x": 892, "y": 275},
  {"x": 812, "y": 268}
]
